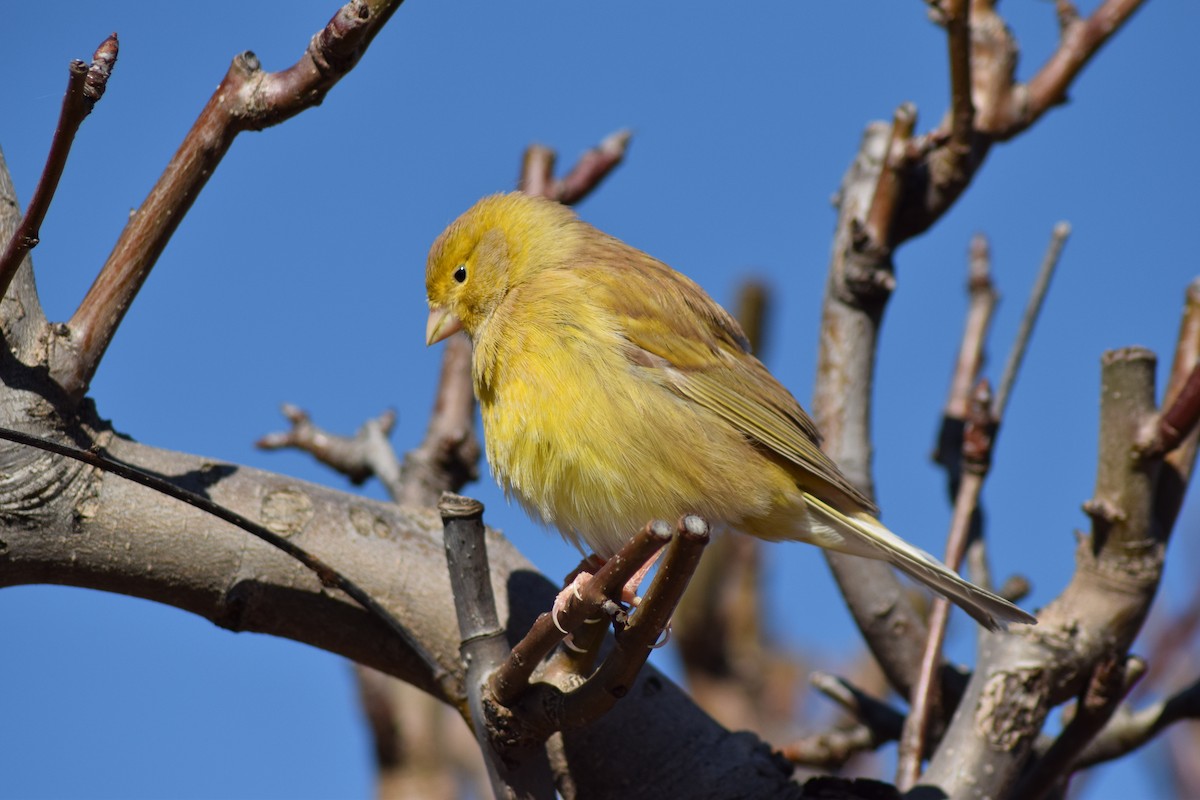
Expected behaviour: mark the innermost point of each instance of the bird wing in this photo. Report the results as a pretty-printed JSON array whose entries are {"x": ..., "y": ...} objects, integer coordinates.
[{"x": 695, "y": 348}]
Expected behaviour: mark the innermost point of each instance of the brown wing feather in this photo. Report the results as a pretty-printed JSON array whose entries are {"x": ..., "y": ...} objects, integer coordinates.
[{"x": 700, "y": 352}]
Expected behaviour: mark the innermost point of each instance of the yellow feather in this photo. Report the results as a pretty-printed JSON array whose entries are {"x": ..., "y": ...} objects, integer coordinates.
[{"x": 614, "y": 391}]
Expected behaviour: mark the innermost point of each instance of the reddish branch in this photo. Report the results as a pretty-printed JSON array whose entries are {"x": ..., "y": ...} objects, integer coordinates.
[
  {"x": 246, "y": 99},
  {"x": 1003, "y": 107},
  {"x": 512, "y": 679},
  {"x": 1180, "y": 418},
  {"x": 522, "y": 712},
  {"x": 537, "y": 169},
  {"x": 1080, "y": 40},
  {"x": 877, "y": 225},
  {"x": 978, "y": 439},
  {"x": 85, "y": 87}
]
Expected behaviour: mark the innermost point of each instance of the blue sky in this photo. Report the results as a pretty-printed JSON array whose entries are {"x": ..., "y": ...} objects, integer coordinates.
[{"x": 297, "y": 277}]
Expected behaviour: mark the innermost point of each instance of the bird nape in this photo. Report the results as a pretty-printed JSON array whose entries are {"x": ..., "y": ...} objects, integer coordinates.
[{"x": 614, "y": 391}]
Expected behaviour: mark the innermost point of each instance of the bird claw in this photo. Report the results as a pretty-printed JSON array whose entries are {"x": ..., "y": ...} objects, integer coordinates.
[
  {"x": 663, "y": 638},
  {"x": 564, "y": 597}
]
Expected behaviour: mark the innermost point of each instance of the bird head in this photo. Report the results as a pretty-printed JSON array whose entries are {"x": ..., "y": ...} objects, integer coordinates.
[{"x": 496, "y": 245}]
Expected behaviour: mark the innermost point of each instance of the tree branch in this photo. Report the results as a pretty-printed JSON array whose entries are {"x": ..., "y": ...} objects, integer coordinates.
[
  {"x": 537, "y": 169},
  {"x": 1033, "y": 309},
  {"x": 367, "y": 453},
  {"x": 85, "y": 87},
  {"x": 515, "y": 771},
  {"x": 1128, "y": 730},
  {"x": 1080, "y": 40},
  {"x": 246, "y": 99},
  {"x": 1022, "y": 675}
]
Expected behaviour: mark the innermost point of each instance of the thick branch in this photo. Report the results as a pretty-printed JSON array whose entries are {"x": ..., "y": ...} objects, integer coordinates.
[
  {"x": 1020, "y": 677},
  {"x": 841, "y": 407},
  {"x": 88, "y": 529}
]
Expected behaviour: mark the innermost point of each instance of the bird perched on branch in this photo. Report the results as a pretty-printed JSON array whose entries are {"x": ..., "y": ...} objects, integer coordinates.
[{"x": 614, "y": 391}]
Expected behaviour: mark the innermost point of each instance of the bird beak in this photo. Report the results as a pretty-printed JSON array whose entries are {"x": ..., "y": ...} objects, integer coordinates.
[{"x": 442, "y": 323}]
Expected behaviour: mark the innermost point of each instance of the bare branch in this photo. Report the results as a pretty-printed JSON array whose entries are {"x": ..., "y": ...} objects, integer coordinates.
[
  {"x": 367, "y": 453},
  {"x": 246, "y": 99},
  {"x": 978, "y": 440},
  {"x": 1081, "y": 39},
  {"x": 1178, "y": 464},
  {"x": 890, "y": 186},
  {"x": 876, "y": 723},
  {"x": 537, "y": 169},
  {"x": 328, "y": 575},
  {"x": 1111, "y": 680},
  {"x": 1021, "y": 676},
  {"x": 950, "y": 164},
  {"x": 85, "y": 87},
  {"x": 512, "y": 679},
  {"x": 1032, "y": 309},
  {"x": 981, "y": 305},
  {"x": 448, "y": 457},
  {"x": 885, "y": 720},
  {"x": 592, "y": 167},
  {"x": 617, "y": 674},
  {"x": 1179, "y": 419},
  {"x": 850, "y": 320},
  {"x": 831, "y": 749},
  {"x": 1128, "y": 730},
  {"x": 1003, "y": 108},
  {"x": 519, "y": 771}
]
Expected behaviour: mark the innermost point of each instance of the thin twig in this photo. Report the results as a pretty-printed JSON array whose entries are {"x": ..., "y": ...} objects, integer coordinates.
[
  {"x": 85, "y": 87},
  {"x": 1128, "y": 730},
  {"x": 981, "y": 305},
  {"x": 876, "y": 714},
  {"x": 357, "y": 458},
  {"x": 875, "y": 723},
  {"x": 246, "y": 99},
  {"x": 978, "y": 440},
  {"x": 1032, "y": 309},
  {"x": 592, "y": 166},
  {"x": 329, "y": 576},
  {"x": 537, "y": 169}
]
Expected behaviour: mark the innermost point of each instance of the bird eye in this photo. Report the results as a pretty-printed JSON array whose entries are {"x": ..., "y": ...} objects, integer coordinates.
[{"x": 460, "y": 274}]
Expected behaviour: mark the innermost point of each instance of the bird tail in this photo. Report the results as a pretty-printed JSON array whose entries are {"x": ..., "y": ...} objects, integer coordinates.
[{"x": 862, "y": 535}]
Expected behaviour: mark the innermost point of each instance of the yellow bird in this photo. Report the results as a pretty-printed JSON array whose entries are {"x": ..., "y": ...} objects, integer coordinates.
[{"x": 614, "y": 391}]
